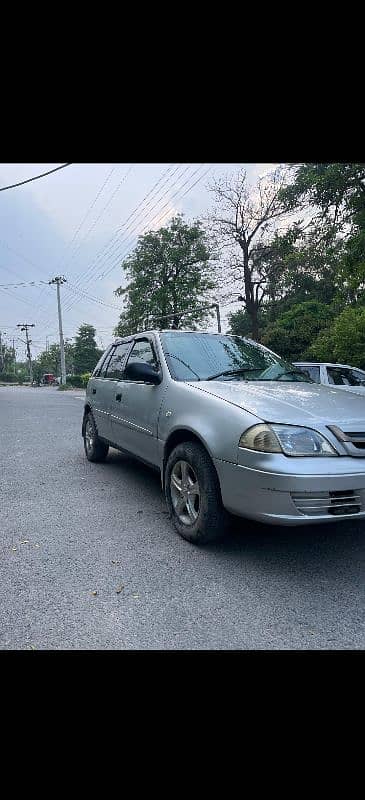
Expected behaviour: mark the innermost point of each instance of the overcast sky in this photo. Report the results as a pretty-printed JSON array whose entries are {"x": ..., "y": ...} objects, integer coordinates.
[{"x": 80, "y": 222}]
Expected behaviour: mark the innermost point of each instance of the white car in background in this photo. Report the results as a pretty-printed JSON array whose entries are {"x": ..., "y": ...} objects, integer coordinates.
[{"x": 342, "y": 376}]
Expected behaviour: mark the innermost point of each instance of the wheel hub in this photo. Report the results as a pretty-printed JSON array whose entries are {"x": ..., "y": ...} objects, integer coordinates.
[{"x": 185, "y": 492}]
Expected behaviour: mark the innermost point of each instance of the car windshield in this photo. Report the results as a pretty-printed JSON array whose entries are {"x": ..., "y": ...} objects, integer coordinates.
[{"x": 205, "y": 356}]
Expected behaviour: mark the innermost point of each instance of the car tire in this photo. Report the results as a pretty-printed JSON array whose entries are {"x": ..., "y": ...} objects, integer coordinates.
[
  {"x": 95, "y": 449},
  {"x": 193, "y": 494}
]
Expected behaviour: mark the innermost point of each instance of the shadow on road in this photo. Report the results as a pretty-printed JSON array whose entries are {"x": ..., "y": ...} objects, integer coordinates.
[{"x": 334, "y": 545}]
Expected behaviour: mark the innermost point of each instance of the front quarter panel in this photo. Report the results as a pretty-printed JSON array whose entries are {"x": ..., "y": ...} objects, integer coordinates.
[{"x": 218, "y": 423}]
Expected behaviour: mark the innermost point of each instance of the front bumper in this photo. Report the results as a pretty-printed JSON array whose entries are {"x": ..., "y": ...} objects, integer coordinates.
[{"x": 291, "y": 499}]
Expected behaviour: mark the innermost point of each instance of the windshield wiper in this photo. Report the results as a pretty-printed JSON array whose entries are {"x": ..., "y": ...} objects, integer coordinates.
[
  {"x": 234, "y": 372},
  {"x": 171, "y": 355},
  {"x": 294, "y": 372}
]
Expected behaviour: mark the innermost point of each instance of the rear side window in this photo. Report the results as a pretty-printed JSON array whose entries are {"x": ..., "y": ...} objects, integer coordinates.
[
  {"x": 104, "y": 358},
  {"x": 116, "y": 364},
  {"x": 340, "y": 376}
]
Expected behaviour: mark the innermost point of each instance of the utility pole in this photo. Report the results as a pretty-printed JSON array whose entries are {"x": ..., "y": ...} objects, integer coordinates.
[
  {"x": 24, "y": 327},
  {"x": 2, "y": 333},
  {"x": 14, "y": 356},
  {"x": 58, "y": 281}
]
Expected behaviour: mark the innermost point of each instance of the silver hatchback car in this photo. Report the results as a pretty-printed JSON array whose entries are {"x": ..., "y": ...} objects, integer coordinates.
[{"x": 231, "y": 427}]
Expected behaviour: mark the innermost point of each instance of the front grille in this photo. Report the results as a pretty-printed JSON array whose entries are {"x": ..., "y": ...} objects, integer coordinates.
[
  {"x": 352, "y": 441},
  {"x": 320, "y": 504},
  {"x": 357, "y": 439}
]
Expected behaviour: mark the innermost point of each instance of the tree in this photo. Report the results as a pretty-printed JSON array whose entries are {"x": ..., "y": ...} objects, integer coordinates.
[
  {"x": 344, "y": 340},
  {"x": 336, "y": 195},
  {"x": 50, "y": 360},
  {"x": 240, "y": 323},
  {"x": 7, "y": 357},
  {"x": 294, "y": 331},
  {"x": 243, "y": 223},
  {"x": 169, "y": 272},
  {"x": 86, "y": 354}
]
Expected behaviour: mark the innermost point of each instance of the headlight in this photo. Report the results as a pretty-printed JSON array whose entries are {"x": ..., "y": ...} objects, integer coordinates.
[{"x": 287, "y": 439}]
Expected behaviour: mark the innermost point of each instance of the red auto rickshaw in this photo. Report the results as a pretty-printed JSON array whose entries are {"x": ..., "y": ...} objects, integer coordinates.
[{"x": 48, "y": 379}]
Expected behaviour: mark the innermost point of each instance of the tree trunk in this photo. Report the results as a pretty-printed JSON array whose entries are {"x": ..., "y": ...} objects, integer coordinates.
[{"x": 251, "y": 304}]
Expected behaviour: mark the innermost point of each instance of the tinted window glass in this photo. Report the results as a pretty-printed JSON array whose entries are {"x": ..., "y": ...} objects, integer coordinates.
[
  {"x": 117, "y": 362},
  {"x": 203, "y": 356},
  {"x": 359, "y": 374},
  {"x": 313, "y": 373},
  {"x": 102, "y": 361},
  {"x": 340, "y": 376},
  {"x": 142, "y": 353}
]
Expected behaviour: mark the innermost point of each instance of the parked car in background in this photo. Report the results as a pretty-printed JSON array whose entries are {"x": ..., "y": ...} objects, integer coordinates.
[{"x": 352, "y": 379}]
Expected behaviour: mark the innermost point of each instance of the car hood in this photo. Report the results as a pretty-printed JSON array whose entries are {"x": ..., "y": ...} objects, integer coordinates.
[
  {"x": 290, "y": 403},
  {"x": 355, "y": 389}
]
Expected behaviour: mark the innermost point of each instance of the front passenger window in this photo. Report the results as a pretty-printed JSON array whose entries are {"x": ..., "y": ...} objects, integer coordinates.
[{"x": 142, "y": 353}]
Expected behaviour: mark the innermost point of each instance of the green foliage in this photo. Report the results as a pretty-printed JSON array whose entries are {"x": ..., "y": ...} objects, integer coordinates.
[
  {"x": 169, "y": 271},
  {"x": 294, "y": 331},
  {"x": 240, "y": 323},
  {"x": 85, "y": 378},
  {"x": 50, "y": 361},
  {"x": 86, "y": 354},
  {"x": 76, "y": 381},
  {"x": 336, "y": 193},
  {"x": 8, "y": 377},
  {"x": 343, "y": 341},
  {"x": 7, "y": 355}
]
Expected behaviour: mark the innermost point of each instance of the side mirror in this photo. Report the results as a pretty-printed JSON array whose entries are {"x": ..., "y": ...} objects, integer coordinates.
[{"x": 141, "y": 371}]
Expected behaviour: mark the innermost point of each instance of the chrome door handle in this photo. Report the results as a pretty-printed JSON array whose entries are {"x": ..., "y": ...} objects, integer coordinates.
[
  {"x": 94, "y": 391},
  {"x": 118, "y": 397}
]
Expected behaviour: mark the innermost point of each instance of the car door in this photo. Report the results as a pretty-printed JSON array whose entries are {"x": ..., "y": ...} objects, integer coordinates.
[
  {"x": 136, "y": 406},
  {"x": 104, "y": 388},
  {"x": 95, "y": 393}
]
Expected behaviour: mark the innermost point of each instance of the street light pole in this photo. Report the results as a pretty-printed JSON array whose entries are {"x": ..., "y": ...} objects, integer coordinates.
[{"x": 58, "y": 281}]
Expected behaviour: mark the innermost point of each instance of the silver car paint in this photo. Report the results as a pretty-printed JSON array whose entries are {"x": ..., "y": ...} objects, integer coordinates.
[{"x": 256, "y": 485}]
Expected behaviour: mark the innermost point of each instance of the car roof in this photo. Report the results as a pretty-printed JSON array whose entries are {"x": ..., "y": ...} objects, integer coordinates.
[
  {"x": 324, "y": 364},
  {"x": 156, "y": 331}
]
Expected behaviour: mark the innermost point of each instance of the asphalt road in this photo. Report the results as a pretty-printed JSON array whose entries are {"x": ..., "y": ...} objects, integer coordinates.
[{"x": 70, "y": 528}]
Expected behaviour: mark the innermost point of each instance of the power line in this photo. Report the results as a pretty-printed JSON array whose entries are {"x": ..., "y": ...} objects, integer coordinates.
[
  {"x": 92, "y": 205},
  {"x": 92, "y": 268},
  {"x": 36, "y": 177},
  {"x": 69, "y": 245},
  {"x": 75, "y": 290},
  {"x": 72, "y": 304},
  {"x": 143, "y": 221},
  {"x": 28, "y": 283},
  {"x": 20, "y": 255},
  {"x": 123, "y": 179},
  {"x": 158, "y": 219},
  {"x": 152, "y": 219},
  {"x": 117, "y": 252},
  {"x": 108, "y": 245}
]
